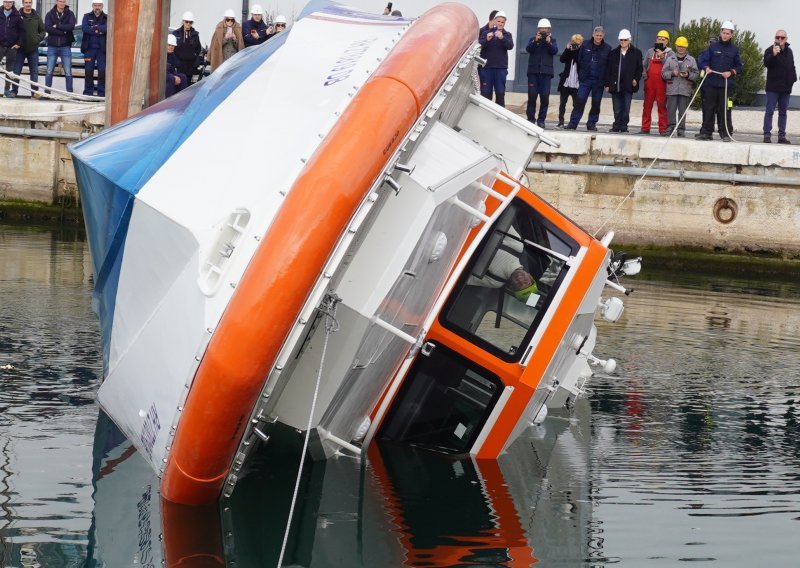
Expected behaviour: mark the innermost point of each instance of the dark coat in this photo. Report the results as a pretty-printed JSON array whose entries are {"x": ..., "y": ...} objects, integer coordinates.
[
  {"x": 593, "y": 60},
  {"x": 781, "y": 74},
  {"x": 189, "y": 47},
  {"x": 494, "y": 50},
  {"x": 260, "y": 27},
  {"x": 622, "y": 70},
  {"x": 721, "y": 56},
  {"x": 567, "y": 57},
  {"x": 34, "y": 31},
  {"x": 94, "y": 31},
  {"x": 59, "y": 27},
  {"x": 540, "y": 60},
  {"x": 11, "y": 29}
]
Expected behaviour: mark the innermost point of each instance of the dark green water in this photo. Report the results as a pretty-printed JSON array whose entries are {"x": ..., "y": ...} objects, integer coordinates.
[{"x": 690, "y": 452}]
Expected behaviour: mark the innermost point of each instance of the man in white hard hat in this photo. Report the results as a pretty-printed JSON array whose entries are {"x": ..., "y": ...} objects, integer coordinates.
[
  {"x": 176, "y": 81},
  {"x": 721, "y": 62},
  {"x": 255, "y": 29},
  {"x": 541, "y": 47},
  {"x": 189, "y": 47},
  {"x": 93, "y": 46},
  {"x": 496, "y": 42}
]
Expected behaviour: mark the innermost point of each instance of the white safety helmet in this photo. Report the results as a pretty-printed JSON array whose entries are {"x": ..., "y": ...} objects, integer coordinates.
[
  {"x": 280, "y": 20},
  {"x": 187, "y": 17},
  {"x": 257, "y": 10},
  {"x": 500, "y": 14},
  {"x": 229, "y": 14},
  {"x": 624, "y": 34},
  {"x": 172, "y": 40},
  {"x": 544, "y": 23},
  {"x": 727, "y": 25}
]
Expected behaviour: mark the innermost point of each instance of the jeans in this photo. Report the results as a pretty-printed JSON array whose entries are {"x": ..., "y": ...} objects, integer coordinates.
[
  {"x": 566, "y": 93},
  {"x": 32, "y": 58},
  {"x": 95, "y": 59},
  {"x": 494, "y": 79},
  {"x": 538, "y": 86},
  {"x": 53, "y": 53},
  {"x": 10, "y": 55},
  {"x": 781, "y": 100},
  {"x": 593, "y": 87},
  {"x": 622, "y": 111}
]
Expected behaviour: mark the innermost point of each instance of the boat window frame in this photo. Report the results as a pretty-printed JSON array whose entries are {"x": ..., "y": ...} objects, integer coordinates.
[{"x": 490, "y": 237}]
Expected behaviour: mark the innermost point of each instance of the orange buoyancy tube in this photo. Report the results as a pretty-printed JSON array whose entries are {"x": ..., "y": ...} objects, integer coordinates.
[{"x": 295, "y": 248}]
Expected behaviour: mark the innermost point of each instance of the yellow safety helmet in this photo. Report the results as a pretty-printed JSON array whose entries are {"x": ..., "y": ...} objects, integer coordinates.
[
  {"x": 663, "y": 33},
  {"x": 681, "y": 42}
]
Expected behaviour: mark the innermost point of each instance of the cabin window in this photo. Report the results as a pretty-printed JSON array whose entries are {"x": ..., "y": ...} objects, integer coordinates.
[
  {"x": 509, "y": 284},
  {"x": 443, "y": 403}
]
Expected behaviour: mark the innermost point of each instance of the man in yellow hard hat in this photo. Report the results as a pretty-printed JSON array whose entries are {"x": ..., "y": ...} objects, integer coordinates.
[
  {"x": 680, "y": 72},
  {"x": 655, "y": 89}
]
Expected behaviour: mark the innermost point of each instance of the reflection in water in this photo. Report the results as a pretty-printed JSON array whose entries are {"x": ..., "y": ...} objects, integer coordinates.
[{"x": 690, "y": 452}]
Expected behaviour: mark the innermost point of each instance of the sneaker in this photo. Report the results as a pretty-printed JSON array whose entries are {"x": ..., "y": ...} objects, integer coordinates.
[
  {"x": 560, "y": 125},
  {"x": 681, "y": 134},
  {"x": 644, "y": 132},
  {"x": 540, "y": 124},
  {"x": 37, "y": 95},
  {"x": 8, "y": 93},
  {"x": 702, "y": 136},
  {"x": 623, "y": 130},
  {"x": 571, "y": 126},
  {"x": 614, "y": 129},
  {"x": 767, "y": 139},
  {"x": 783, "y": 141},
  {"x": 663, "y": 133},
  {"x": 593, "y": 128},
  {"x": 726, "y": 138}
]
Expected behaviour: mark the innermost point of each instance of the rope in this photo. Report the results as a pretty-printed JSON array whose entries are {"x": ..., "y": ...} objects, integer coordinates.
[
  {"x": 331, "y": 326},
  {"x": 17, "y": 80},
  {"x": 666, "y": 143}
]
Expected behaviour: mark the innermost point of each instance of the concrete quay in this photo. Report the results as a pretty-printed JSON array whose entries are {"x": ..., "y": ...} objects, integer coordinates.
[
  {"x": 741, "y": 196},
  {"x": 33, "y": 138}
]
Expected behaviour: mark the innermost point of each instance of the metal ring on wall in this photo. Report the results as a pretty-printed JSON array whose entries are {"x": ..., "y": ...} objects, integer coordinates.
[{"x": 725, "y": 210}]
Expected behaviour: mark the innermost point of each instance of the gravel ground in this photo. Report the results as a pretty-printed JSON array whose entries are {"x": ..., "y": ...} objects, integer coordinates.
[{"x": 747, "y": 121}]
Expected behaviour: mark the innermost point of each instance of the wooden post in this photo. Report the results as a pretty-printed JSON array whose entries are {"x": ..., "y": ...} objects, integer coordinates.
[
  {"x": 132, "y": 53},
  {"x": 158, "y": 53}
]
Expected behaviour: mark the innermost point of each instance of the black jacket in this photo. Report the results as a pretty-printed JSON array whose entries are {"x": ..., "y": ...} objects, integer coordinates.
[
  {"x": 11, "y": 30},
  {"x": 567, "y": 57},
  {"x": 59, "y": 27},
  {"x": 189, "y": 47},
  {"x": 781, "y": 73},
  {"x": 622, "y": 70}
]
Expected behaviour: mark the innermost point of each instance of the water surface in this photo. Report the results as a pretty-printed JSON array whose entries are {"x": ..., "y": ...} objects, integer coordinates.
[{"x": 690, "y": 452}]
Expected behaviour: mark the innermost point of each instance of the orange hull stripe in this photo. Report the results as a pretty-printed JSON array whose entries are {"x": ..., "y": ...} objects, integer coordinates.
[{"x": 294, "y": 250}]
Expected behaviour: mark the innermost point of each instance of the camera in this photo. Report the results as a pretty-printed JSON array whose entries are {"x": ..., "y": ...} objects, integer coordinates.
[
  {"x": 389, "y": 6},
  {"x": 658, "y": 47}
]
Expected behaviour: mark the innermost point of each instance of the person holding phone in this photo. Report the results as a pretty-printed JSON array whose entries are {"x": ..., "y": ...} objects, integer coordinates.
[
  {"x": 495, "y": 42},
  {"x": 655, "y": 89},
  {"x": 781, "y": 75},
  {"x": 541, "y": 49},
  {"x": 680, "y": 72}
]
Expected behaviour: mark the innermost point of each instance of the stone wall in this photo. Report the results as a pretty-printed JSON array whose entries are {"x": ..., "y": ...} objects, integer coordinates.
[{"x": 725, "y": 215}]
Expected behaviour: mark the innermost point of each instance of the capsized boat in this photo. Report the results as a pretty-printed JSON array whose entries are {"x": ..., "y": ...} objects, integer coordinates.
[{"x": 334, "y": 225}]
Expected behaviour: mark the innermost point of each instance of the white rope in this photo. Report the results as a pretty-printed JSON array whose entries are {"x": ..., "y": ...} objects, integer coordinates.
[
  {"x": 331, "y": 326},
  {"x": 663, "y": 147},
  {"x": 66, "y": 112},
  {"x": 17, "y": 80}
]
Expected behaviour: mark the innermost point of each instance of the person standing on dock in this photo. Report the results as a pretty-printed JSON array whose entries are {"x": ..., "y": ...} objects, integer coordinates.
[
  {"x": 28, "y": 52},
  {"x": 592, "y": 63},
  {"x": 655, "y": 88},
  {"x": 623, "y": 74},
  {"x": 496, "y": 42},
  {"x": 781, "y": 75},
  {"x": 721, "y": 62},
  {"x": 227, "y": 40},
  {"x": 189, "y": 46},
  {"x": 59, "y": 24},
  {"x": 255, "y": 30},
  {"x": 11, "y": 34},
  {"x": 541, "y": 47},
  {"x": 93, "y": 47},
  {"x": 680, "y": 72}
]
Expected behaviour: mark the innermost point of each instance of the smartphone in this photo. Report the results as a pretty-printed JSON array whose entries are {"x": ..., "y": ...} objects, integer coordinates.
[{"x": 389, "y": 6}]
